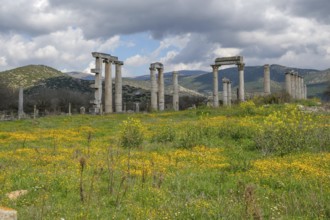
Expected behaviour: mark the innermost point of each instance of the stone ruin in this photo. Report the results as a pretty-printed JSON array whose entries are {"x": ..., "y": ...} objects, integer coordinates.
[
  {"x": 295, "y": 86},
  {"x": 108, "y": 60},
  {"x": 236, "y": 60}
]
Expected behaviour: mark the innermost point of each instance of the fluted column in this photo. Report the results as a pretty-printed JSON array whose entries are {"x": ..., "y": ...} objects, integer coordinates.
[
  {"x": 229, "y": 93},
  {"x": 215, "y": 86},
  {"x": 108, "y": 87},
  {"x": 301, "y": 91},
  {"x": 98, "y": 84},
  {"x": 153, "y": 89},
  {"x": 266, "y": 79},
  {"x": 118, "y": 88},
  {"x": 175, "y": 91},
  {"x": 225, "y": 91},
  {"x": 161, "y": 94},
  {"x": 288, "y": 83},
  {"x": 241, "y": 82}
]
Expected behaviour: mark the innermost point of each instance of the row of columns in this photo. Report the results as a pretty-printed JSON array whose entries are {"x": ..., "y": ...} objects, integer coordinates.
[
  {"x": 295, "y": 86},
  {"x": 157, "y": 88},
  {"x": 108, "y": 60}
]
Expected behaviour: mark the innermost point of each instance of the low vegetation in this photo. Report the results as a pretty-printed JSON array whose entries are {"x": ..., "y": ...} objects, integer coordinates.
[{"x": 243, "y": 162}]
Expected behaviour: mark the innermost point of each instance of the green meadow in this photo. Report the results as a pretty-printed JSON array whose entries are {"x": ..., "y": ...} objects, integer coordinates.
[{"x": 243, "y": 162}]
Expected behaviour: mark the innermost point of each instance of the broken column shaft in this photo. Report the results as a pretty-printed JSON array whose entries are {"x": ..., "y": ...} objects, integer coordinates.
[
  {"x": 175, "y": 91},
  {"x": 215, "y": 86},
  {"x": 266, "y": 79}
]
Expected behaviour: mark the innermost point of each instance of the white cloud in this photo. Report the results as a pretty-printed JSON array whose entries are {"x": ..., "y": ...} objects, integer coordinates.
[{"x": 137, "y": 60}]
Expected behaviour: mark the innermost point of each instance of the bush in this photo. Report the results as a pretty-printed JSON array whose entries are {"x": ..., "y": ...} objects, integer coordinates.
[
  {"x": 292, "y": 130},
  {"x": 131, "y": 134},
  {"x": 164, "y": 135}
]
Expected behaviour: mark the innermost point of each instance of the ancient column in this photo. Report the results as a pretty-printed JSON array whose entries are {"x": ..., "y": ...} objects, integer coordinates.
[
  {"x": 297, "y": 85},
  {"x": 266, "y": 79},
  {"x": 175, "y": 91},
  {"x": 137, "y": 107},
  {"x": 241, "y": 82},
  {"x": 229, "y": 93},
  {"x": 153, "y": 89},
  {"x": 225, "y": 91},
  {"x": 161, "y": 94},
  {"x": 305, "y": 91},
  {"x": 20, "y": 103},
  {"x": 108, "y": 87},
  {"x": 98, "y": 83},
  {"x": 288, "y": 83},
  {"x": 118, "y": 87},
  {"x": 215, "y": 86},
  {"x": 301, "y": 83},
  {"x": 293, "y": 84},
  {"x": 34, "y": 112}
]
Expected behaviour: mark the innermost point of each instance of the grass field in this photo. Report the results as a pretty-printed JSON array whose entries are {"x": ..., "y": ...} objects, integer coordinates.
[{"x": 244, "y": 162}]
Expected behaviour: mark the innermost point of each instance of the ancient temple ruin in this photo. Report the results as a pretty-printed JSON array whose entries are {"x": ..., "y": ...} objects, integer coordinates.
[
  {"x": 236, "y": 60},
  {"x": 108, "y": 60}
]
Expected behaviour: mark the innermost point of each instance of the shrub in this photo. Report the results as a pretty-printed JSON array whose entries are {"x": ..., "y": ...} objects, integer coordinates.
[
  {"x": 131, "y": 134},
  {"x": 164, "y": 135},
  {"x": 292, "y": 130}
]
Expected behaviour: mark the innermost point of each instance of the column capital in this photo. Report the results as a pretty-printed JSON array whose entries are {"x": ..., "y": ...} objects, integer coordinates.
[
  {"x": 241, "y": 66},
  {"x": 215, "y": 67},
  {"x": 119, "y": 62},
  {"x": 152, "y": 68}
]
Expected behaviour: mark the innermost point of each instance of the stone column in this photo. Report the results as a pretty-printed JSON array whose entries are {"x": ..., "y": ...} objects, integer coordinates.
[
  {"x": 108, "y": 87},
  {"x": 137, "y": 107},
  {"x": 215, "y": 86},
  {"x": 293, "y": 85},
  {"x": 98, "y": 83},
  {"x": 20, "y": 103},
  {"x": 161, "y": 94},
  {"x": 153, "y": 89},
  {"x": 118, "y": 88},
  {"x": 301, "y": 83},
  {"x": 34, "y": 112},
  {"x": 288, "y": 83},
  {"x": 175, "y": 91},
  {"x": 297, "y": 85},
  {"x": 241, "y": 82},
  {"x": 266, "y": 79},
  {"x": 225, "y": 91},
  {"x": 305, "y": 91},
  {"x": 229, "y": 93}
]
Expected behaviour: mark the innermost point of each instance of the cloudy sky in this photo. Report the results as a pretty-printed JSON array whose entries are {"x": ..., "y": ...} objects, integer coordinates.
[{"x": 182, "y": 34}]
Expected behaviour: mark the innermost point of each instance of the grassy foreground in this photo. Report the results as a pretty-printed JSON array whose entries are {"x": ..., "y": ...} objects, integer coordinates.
[{"x": 244, "y": 162}]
